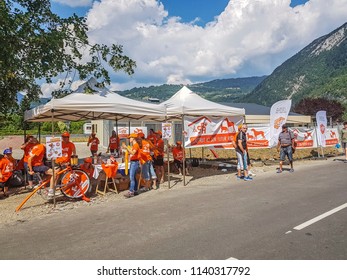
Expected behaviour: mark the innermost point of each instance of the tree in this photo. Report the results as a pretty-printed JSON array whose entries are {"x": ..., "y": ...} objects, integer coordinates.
[
  {"x": 310, "y": 106},
  {"x": 37, "y": 44}
]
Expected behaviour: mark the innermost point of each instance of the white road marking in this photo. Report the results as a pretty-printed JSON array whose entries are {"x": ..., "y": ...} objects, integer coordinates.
[
  {"x": 320, "y": 217},
  {"x": 289, "y": 231},
  {"x": 231, "y": 258}
]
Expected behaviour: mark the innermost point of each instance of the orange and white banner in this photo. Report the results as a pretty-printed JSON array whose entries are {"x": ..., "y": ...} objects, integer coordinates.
[
  {"x": 278, "y": 116},
  {"x": 304, "y": 137},
  {"x": 206, "y": 131},
  {"x": 258, "y": 137},
  {"x": 331, "y": 136}
]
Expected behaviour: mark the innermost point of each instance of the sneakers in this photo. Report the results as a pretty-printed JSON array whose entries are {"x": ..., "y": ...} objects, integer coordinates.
[
  {"x": 129, "y": 195},
  {"x": 291, "y": 170},
  {"x": 279, "y": 171},
  {"x": 50, "y": 193},
  {"x": 240, "y": 177},
  {"x": 180, "y": 174},
  {"x": 248, "y": 178}
]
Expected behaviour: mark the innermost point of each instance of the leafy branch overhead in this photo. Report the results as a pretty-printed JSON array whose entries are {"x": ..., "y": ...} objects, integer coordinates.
[{"x": 37, "y": 44}]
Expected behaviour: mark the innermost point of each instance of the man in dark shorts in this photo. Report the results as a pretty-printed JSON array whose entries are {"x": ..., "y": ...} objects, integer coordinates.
[{"x": 285, "y": 146}]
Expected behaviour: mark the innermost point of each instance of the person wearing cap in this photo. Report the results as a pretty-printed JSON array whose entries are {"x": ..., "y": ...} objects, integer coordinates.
[
  {"x": 286, "y": 145},
  {"x": 36, "y": 164},
  {"x": 178, "y": 154},
  {"x": 152, "y": 136},
  {"x": 94, "y": 142},
  {"x": 134, "y": 151},
  {"x": 159, "y": 158},
  {"x": 68, "y": 149},
  {"x": 146, "y": 161},
  {"x": 26, "y": 147},
  {"x": 113, "y": 145},
  {"x": 6, "y": 171},
  {"x": 88, "y": 167}
]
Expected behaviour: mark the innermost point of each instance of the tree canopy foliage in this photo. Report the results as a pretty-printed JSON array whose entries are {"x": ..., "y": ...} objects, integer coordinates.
[
  {"x": 310, "y": 106},
  {"x": 36, "y": 45}
]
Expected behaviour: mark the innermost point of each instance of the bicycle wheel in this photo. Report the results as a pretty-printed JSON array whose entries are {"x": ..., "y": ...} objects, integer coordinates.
[{"x": 75, "y": 183}]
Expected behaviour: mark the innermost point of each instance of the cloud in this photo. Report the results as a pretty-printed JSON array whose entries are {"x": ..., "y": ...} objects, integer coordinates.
[
  {"x": 248, "y": 38},
  {"x": 75, "y": 3}
]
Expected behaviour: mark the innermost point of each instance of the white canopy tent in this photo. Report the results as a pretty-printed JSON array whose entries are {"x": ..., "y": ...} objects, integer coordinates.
[
  {"x": 101, "y": 105},
  {"x": 186, "y": 102}
]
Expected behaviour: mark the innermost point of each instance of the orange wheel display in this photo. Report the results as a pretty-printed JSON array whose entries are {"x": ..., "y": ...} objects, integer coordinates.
[{"x": 75, "y": 183}]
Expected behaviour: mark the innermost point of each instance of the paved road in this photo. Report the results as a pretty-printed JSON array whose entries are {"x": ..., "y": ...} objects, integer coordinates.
[{"x": 242, "y": 220}]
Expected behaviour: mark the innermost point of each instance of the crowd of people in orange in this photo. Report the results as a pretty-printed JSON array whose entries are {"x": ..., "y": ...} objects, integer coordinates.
[{"x": 146, "y": 157}]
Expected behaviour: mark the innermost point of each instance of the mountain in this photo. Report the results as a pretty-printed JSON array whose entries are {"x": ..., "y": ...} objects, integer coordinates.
[
  {"x": 318, "y": 70},
  {"x": 221, "y": 90}
]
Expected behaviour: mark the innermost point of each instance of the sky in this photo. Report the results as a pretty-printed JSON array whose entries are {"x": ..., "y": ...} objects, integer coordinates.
[{"x": 192, "y": 41}]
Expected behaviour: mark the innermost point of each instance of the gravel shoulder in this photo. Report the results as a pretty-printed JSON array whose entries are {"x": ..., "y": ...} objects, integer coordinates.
[{"x": 37, "y": 208}]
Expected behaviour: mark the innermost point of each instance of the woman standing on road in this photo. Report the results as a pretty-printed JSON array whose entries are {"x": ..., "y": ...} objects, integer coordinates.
[{"x": 134, "y": 151}]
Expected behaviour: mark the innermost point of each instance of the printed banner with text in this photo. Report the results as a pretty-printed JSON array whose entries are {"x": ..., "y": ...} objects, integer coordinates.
[
  {"x": 321, "y": 118},
  {"x": 207, "y": 131},
  {"x": 278, "y": 116}
]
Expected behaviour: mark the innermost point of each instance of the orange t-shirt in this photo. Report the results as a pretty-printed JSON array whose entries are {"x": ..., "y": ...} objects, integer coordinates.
[
  {"x": 67, "y": 149},
  {"x": 114, "y": 142},
  {"x": 177, "y": 153},
  {"x": 152, "y": 138},
  {"x": 38, "y": 151},
  {"x": 6, "y": 167},
  {"x": 160, "y": 147},
  {"x": 88, "y": 168},
  {"x": 94, "y": 142},
  {"x": 145, "y": 151},
  {"x": 27, "y": 150},
  {"x": 136, "y": 149}
]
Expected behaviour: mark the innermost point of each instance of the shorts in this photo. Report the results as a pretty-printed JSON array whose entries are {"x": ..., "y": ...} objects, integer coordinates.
[
  {"x": 286, "y": 151},
  {"x": 5, "y": 184},
  {"x": 242, "y": 160},
  {"x": 40, "y": 168},
  {"x": 158, "y": 161},
  {"x": 344, "y": 145},
  {"x": 148, "y": 171},
  {"x": 179, "y": 164}
]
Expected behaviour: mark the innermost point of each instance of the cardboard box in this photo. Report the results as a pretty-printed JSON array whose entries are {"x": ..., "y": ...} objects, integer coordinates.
[{"x": 122, "y": 184}]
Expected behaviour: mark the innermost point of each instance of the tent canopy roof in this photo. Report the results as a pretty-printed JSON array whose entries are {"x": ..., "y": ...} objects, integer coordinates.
[
  {"x": 186, "y": 102},
  {"x": 101, "y": 105}
]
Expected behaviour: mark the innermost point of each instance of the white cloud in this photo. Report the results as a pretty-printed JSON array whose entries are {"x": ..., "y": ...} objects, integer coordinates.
[
  {"x": 75, "y": 3},
  {"x": 248, "y": 38}
]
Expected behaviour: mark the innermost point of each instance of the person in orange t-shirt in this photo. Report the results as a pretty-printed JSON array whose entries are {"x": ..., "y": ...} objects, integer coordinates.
[
  {"x": 88, "y": 167},
  {"x": 134, "y": 151},
  {"x": 113, "y": 145},
  {"x": 27, "y": 147},
  {"x": 36, "y": 164},
  {"x": 6, "y": 171},
  {"x": 152, "y": 137},
  {"x": 94, "y": 142},
  {"x": 148, "y": 173},
  {"x": 178, "y": 153},
  {"x": 68, "y": 149}
]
